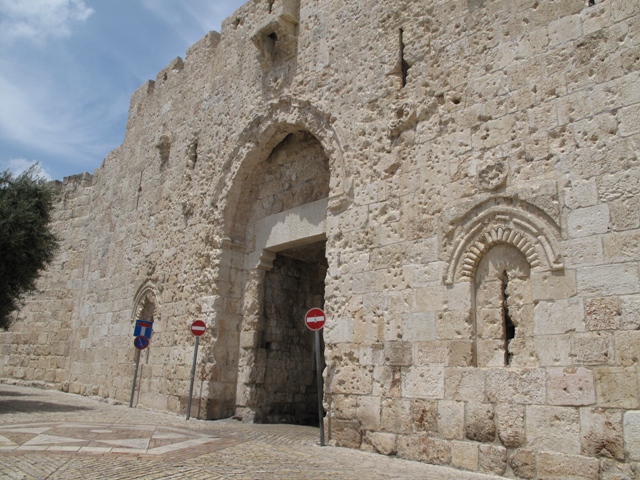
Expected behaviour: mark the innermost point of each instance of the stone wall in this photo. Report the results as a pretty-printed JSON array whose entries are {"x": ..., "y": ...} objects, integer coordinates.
[{"x": 477, "y": 167}]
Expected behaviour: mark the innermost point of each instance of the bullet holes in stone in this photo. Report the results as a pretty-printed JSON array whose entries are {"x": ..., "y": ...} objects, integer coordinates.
[
  {"x": 404, "y": 65},
  {"x": 591, "y": 3}
]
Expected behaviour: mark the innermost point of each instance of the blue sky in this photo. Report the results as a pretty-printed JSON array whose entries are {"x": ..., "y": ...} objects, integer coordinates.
[{"x": 69, "y": 67}]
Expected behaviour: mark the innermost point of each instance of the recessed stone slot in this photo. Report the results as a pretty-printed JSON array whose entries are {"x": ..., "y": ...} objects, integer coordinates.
[
  {"x": 404, "y": 65},
  {"x": 164, "y": 148},
  {"x": 271, "y": 2},
  {"x": 509, "y": 327},
  {"x": 293, "y": 286}
]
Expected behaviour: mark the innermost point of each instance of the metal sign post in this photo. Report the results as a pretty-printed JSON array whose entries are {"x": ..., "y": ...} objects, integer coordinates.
[
  {"x": 315, "y": 320},
  {"x": 140, "y": 342},
  {"x": 197, "y": 328}
]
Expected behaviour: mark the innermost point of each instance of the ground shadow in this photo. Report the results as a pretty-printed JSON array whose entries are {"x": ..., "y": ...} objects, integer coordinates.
[{"x": 26, "y": 406}]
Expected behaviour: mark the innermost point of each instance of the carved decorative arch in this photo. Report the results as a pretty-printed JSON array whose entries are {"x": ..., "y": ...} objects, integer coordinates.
[
  {"x": 508, "y": 221},
  {"x": 260, "y": 137},
  {"x": 145, "y": 304}
]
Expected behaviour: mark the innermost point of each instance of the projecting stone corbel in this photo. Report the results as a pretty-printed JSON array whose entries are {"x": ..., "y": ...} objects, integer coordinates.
[{"x": 278, "y": 36}]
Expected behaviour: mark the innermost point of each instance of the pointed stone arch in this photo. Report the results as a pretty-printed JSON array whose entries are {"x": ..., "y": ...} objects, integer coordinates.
[
  {"x": 145, "y": 304},
  {"x": 508, "y": 221}
]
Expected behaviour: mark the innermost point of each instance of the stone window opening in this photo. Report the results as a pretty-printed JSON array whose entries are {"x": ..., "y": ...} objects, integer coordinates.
[{"x": 503, "y": 310}]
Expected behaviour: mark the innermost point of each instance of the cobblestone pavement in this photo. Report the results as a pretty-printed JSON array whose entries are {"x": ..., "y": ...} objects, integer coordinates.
[{"x": 47, "y": 434}]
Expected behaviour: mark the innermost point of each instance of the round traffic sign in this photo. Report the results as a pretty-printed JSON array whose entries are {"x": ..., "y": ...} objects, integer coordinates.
[
  {"x": 198, "y": 327},
  {"x": 314, "y": 319},
  {"x": 141, "y": 342}
]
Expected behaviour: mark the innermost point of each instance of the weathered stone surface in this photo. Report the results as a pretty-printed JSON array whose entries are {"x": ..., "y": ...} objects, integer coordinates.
[
  {"x": 570, "y": 386},
  {"x": 556, "y": 466},
  {"x": 554, "y": 429},
  {"x": 459, "y": 192},
  {"x": 602, "y": 433}
]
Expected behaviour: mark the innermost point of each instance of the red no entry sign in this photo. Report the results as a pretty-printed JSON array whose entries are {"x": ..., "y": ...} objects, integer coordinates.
[
  {"x": 141, "y": 342},
  {"x": 198, "y": 327},
  {"x": 314, "y": 319}
]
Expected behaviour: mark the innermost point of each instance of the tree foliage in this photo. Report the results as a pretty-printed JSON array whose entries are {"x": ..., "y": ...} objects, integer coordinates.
[{"x": 27, "y": 244}]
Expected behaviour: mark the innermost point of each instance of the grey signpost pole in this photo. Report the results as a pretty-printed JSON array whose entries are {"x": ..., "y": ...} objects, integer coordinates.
[
  {"x": 198, "y": 328},
  {"x": 319, "y": 379},
  {"x": 193, "y": 376},
  {"x": 135, "y": 376},
  {"x": 315, "y": 320}
]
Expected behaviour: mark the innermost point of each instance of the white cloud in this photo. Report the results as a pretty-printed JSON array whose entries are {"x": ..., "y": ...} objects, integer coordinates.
[
  {"x": 37, "y": 20},
  {"x": 19, "y": 165}
]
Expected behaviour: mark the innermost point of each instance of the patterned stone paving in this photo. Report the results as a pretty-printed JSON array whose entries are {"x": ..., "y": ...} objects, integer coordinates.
[{"x": 50, "y": 435}]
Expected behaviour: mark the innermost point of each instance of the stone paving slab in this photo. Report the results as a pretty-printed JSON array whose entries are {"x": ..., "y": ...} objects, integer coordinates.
[{"x": 46, "y": 434}]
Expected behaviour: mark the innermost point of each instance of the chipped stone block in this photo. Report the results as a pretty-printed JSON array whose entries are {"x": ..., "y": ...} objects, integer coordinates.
[
  {"x": 553, "y": 428},
  {"x": 588, "y": 221},
  {"x": 510, "y": 424},
  {"x": 479, "y": 422},
  {"x": 353, "y": 379},
  {"x": 603, "y": 313},
  {"x": 368, "y": 412},
  {"x": 346, "y": 433},
  {"x": 423, "y": 382},
  {"x": 465, "y": 384},
  {"x": 561, "y": 316},
  {"x": 616, "y": 387},
  {"x": 451, "y": 419},
  {"x": 398, "y": 353},
  {"x": 492, "y": 459},
  {"x": 602, "y": 433},
  {"x": 523, "y": 386},
  {"x": 396, "y": 415},
  {"x": 464, "y": 455},
  {"x": 570, "y": 386},
  {"x": 523, "y": 463},
  {"x": 553, "y": 285},
  {"x": 383, "y": 443},
  {"x": 632, "y": 434},
  {"x": 592, "y": 348},
  {"x": 558, "y": 466},
  {"x": 627, "y": 346},
  {"x": 609, "y": 280},
  {"x": 424, "y": 416},
  {"x": 435, "y": 451}
]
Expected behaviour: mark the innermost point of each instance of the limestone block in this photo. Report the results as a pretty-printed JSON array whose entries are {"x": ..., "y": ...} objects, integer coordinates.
[
  {"x": 629, "y": 120},
  {"x": 523, "y": 463},
  {"x": 460, "y": 353},
  {"x": 616, "y": 387},
  {"x": 630, "y": 316},
  {"x": 609, "y": 280},
  {"x": 561, "y": 316},
  {"x": 603, "y": 313},
  {"x": 581, "y": 193},
  {"x": 383, "y": 443},
  {"x": 632, "y": 434},
  {"x": 424, "y": 416},
  {"x": 419, "y": 327},
  {"x": 625, "y": 214},
  {"x": 352, "y": 380},
  {"x": 614, "y": 470},
  {"x": 492, "y": 459},
  {"x": 465, "y": 384},
  {"x": 451, "y": 419},
  {"x": 396, "y": 415},
  {"x": 423, "y": 382},
  {"x": 582, "y": 251},
  {"x": 553, "y": 285},
  {"x": 345, "y": 433},
  {"x": 464, "y": 455},
  {"x": 592, "y": 348},
  {"x": 557, "y": 466},
  {"x": 368, "y": 412},
  {"x": 522, "y": 386},
  {"x": 627, "y": 346},
  {"x": 480, "y": 425},
  {"x": 409, "y": 446},
  {"x": 553, "y": 428},
  {"x": 398, "y": 353},
  {"x": 619, "y": 185},
  {"x": 452, "y": 325},
  {"x": 602, "y": 433},
  {"x": 435, "y": 451},
  {"x": 584, "y": 222},
  {"x": 553, "y": 350},
  {"x": 570, "y": 386},
  {"x": 510, "y": 424},
  {"x": 623, "y": 246},
  {"x": 432, "y": 353}
]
